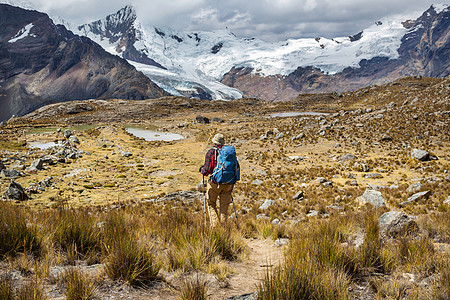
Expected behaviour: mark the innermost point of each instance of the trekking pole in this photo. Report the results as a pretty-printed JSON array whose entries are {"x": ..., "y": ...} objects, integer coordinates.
[{"x": 204, "y": 199}]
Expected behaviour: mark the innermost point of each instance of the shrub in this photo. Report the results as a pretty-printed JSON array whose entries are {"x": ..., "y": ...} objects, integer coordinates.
[{"x": 15, "y": 235}]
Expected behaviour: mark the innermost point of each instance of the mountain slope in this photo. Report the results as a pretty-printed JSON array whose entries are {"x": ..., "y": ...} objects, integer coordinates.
[
  {"x": 186, "y": 63},
  {"x": 42, "y": 63}
]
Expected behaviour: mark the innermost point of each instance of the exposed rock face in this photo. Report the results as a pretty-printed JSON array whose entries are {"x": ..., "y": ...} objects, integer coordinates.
[
  {"x": 393, "y": 223},
  {"x": 424, "y": 51},
  {"x": 42, "y": 63}
]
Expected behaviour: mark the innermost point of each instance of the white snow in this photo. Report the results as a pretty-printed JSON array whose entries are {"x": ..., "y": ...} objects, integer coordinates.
[
  {"x": 19, "y": 3},
  {"x": 190, "y": 62},
  {"x": 24, "y": 32},
  {"x": 438, "y": 8}
]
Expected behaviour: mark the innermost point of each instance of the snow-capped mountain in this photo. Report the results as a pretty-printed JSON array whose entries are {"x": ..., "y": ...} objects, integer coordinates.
[
  {"x": 199, "y": 63},
  {"x": 43, "y": 63}
]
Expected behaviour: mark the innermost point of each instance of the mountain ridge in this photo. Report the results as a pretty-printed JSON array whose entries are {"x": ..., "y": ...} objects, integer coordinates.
[
  {"x": 43, "y": 63},
  {"x": 205, "y": 60}
]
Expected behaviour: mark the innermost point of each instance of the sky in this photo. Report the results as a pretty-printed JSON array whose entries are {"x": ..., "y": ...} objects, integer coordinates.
[{"x": 270, "y": 20}]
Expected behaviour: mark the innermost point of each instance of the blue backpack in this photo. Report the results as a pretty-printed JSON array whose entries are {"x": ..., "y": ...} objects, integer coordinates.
[{"x": 227, "y": 169}]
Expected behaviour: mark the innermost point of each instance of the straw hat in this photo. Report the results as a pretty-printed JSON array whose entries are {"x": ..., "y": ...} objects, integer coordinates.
[{"x": 218, "y": 139}]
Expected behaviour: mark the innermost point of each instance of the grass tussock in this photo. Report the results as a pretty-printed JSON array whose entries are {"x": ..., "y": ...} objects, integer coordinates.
[
  {"x": 31, "y": 291},
  {"x": 6, "y": 288},
  {"x": 16, "y": 235},
  {"x": 194, "y": 289},
  {"x": 128, "y": 260},
  {"x": 76, "y": 233},
  {"x": 78, "y": 285}
]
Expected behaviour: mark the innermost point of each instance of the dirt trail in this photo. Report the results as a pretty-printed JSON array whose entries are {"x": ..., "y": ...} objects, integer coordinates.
[{"x": 248, "y": 274}]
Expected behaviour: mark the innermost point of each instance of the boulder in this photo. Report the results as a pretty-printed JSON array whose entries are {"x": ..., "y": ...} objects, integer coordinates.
[
  {"x": 15, "y": 192},
  {"x": 67, "y": 133},
  {"x": 10, "y": 173},
  {"x": 37, "y": 164},
  {"x": 421, "y": 155},
  {"x": 202, "y": 119},
  {"x": 393, "y": 223},
  {"x": 416, "y": 197},
  {"x": 373, "y": 197},
  {"x": 268, "y": 203}
]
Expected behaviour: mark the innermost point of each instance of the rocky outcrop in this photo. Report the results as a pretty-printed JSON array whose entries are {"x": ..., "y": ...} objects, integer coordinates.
[
  {"x": 424, "y": 51},
  {"x": 42, "y": 63},
  {"x": 393, "y": 223}
]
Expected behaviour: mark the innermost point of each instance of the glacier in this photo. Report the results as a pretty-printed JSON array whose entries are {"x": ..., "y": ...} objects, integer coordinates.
[{"x": 200, "y": 59}]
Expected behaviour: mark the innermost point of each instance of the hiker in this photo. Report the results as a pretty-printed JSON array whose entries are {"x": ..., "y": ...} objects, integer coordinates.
[{"x": 222, "y": 166}]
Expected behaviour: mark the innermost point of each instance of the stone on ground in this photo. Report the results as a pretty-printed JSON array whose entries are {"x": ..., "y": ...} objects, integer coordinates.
[
  {"x": 393, "y": 223},
  {"x": 373, "y": 197}
]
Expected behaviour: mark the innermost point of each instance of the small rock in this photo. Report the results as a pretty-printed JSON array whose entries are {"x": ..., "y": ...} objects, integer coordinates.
[
  {"x": 281, "y": 242},
  {"x": 298, "y": 136},
  {"x": 252, "y": 296},
  {"x": 393, "y": 223},
  {"x": 279, "y": 136},
  {"x": 262, "y": 217},
  {"x": 373, "y": 175},
  {"x": 257, "y": 182},
  {"x": 386, "y": 138},
  {"x": 15, "y": 192},
  {"x": 346, "y": 157},
  {"x": 202, "y": 119},
  {"x": 353, "y": 182},
  {"x": 447, "y": 201},
  {"x": 126, "y": 153},
  {"x": 268, "y": 203},
  {"x": 298, "y": 196},
  {"x": 373, "y": 197},
  {"x": 74, "y": 139},
  {"x": 415, "y": 187},
  {"x": 416, "y": 197},
  {"x": 421, "y": 155},
  {"x": 37, "y": 165},
  {"x": 327, "y": 183},
  {"x": 216, "y": 119},
  {"x": 67, "y": 133},
  {"x": 275, "y": 221},
  {"x": 313, "y": 213},
  {"x": 320, "y": 180}
]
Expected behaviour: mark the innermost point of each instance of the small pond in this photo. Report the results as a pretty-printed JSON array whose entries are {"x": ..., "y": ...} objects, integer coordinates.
[
  {"x": 296, "y": 113},
  {"x": 153, "y": 135},
  {"x": 43, "y": 145}
]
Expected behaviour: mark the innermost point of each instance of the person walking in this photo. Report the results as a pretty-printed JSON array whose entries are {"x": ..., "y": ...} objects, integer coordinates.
[{"x": 223, "y": 168}]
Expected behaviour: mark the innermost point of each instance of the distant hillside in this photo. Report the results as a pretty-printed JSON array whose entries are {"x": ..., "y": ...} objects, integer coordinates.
[{"x": 43, "y": 63}]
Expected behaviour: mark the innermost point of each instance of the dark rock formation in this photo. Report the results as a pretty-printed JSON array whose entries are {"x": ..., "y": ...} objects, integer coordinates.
[{"x": 43, "y": 63}]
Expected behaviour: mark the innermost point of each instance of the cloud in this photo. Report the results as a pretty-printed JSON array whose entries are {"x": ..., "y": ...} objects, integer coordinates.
[{"x": 265, "y": 19}]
